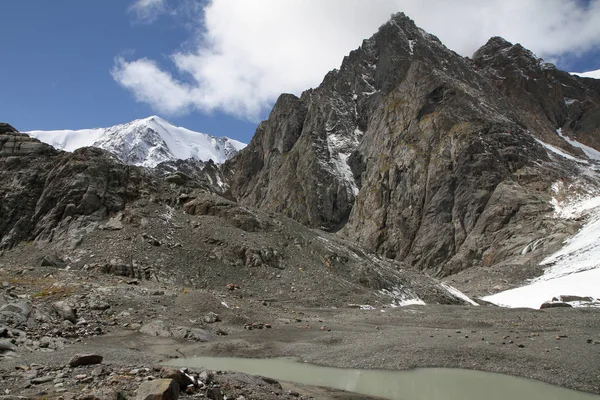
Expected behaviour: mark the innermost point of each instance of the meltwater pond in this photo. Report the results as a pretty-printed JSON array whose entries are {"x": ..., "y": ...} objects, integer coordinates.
[{"x": 419, "y": 384}]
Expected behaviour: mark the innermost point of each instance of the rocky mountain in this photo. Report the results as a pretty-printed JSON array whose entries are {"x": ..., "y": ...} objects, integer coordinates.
[
  {"x": 96, "y": 212},
  {"x": 411, "y": 176},
  {"x": 433, "y": 161},
  {"x": 425, "y": 156},
  {"x": 145, "y": 142}
]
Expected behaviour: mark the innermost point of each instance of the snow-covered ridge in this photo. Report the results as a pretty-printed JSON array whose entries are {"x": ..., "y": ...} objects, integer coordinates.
[
  {"x": 589, "y": 74},
  {"x": 145, "y": 142}
]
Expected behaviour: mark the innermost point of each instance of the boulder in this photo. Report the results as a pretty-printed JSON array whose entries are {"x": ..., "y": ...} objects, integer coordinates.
[
  {"x": 65, "y": 311},
  {"x": 211, "y": 318},
  {"x": 182, "y": 379},
  {"x": 214, "y": 394},
  {"x": 156, "y": 328},
  {"x": 6, "y": 345},
  {"x": 53, "y": 260},
  {"x": 160, "y": 389},
  {"x": 85, "y": 359},
  {"x": 554, "y": 304}
]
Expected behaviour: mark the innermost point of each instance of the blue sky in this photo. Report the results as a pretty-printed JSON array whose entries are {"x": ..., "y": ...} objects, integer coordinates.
[
  {"x": 222, "y": 63},
  {"x": 56, "y": 62}
]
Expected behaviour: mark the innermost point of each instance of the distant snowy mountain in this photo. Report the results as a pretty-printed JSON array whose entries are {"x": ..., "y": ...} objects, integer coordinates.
[
  {"x": 145, "y": 142},
  {"x": 589, "y": 74}
]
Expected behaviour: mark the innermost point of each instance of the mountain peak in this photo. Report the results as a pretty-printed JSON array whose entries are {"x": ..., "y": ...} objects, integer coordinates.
[
  {"x": 145, "y": 142},
  {"x": 492, "y": 46},
  {"x": 154, "y": 118}
]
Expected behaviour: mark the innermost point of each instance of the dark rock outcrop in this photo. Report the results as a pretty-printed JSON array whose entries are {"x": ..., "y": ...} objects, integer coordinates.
[
  {"x": 47, "y": 193},
  {"x": 544, "y": 97}
]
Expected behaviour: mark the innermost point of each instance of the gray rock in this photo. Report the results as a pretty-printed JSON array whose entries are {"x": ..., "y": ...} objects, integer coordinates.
[
  {"x": 156, "y": 328},
  {"x": 200, "y": 335},
  {"x": 211, "y": 318},
  {"x": 114, "y": 224},
  {"x": 205, "y": 377},
  {"x": 21, "y": 308},
  {"x": 65, "y": 311},
  {"x": 570, "y": 298},
  {"x": 45, "y": 342},
  {"x": 160, "y": 389},
  {"x": 99, "y": 305},
  {"x": 555, "y": 304},
  {"x": 182, "y": 379},
  {"x": 214, "y": 393},
  {"x": 53, "y": 260},
  {"x": 85, "y": 359},
  {"x": 6, "y": 345},
  {"x": 42, "y": 379}
]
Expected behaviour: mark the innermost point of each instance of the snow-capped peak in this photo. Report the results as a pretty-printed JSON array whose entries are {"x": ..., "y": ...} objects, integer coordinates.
[{"x": 145, "y": 142}]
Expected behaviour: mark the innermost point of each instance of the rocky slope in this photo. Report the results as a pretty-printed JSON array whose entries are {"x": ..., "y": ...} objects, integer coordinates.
[
  {"x": 145, "y": 142},
  {"x": 50, "y": 195},
  {"x": 89, "y": 210},
  {"x": 425, "y": 156}
]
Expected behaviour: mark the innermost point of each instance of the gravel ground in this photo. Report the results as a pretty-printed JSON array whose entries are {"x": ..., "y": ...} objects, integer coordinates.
[{"x": 137, "y": 322}]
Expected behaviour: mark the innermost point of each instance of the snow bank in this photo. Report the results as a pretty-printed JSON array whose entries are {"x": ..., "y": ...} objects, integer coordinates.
[
  {"x": 592, "y": 153},
  {"x": 574, "y": 270},
  {"x": 589, "y": 74}
]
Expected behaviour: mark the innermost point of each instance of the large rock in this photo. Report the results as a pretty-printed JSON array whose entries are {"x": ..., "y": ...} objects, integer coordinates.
[
  {"x": 555, "y": 304},
  {"x": 53, "y": 260},
  {"x": 182, "y": 379},
  {"x": 65, "y": 311},
  {"x": 160, "y": 389},
  {"x": 156, "y": 328},
  {"x": 85, "y": 359},
  {"x": 6, "y": 345}
]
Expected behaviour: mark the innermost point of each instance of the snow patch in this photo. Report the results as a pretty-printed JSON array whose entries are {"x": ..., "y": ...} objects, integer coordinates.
[
  {"x": 402, "y": 297},
  {"x": 590, "y": 74},
  {"x": 592, "y": 153},
  {"x": 585, "y": 283},
  {"x": 340, "y": 146},
  {"x": 574, "y": 270},
  {"x": 457, "y": 293},
  {"x": 561, "y": 153}
]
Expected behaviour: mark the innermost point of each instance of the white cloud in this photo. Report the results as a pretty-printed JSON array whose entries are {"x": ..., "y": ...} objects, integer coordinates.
[
  {"x": 147, "y": 11},
  {"x": 151, "y": 85},
  {"x": 250, "y": 51}
]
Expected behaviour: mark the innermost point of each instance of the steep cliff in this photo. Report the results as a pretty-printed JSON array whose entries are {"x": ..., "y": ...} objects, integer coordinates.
[{"x": 423, "y": 155}]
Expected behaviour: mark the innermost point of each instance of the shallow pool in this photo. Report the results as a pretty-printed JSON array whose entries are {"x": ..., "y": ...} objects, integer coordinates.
[{"x": 419, "y": 384}]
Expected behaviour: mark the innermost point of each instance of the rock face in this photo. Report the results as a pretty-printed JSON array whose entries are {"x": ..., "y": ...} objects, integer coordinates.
[
  {"x": 544, "y": 97},
  {"x": 420, "y": 154},
  {"x": 48, "y": 194}
]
